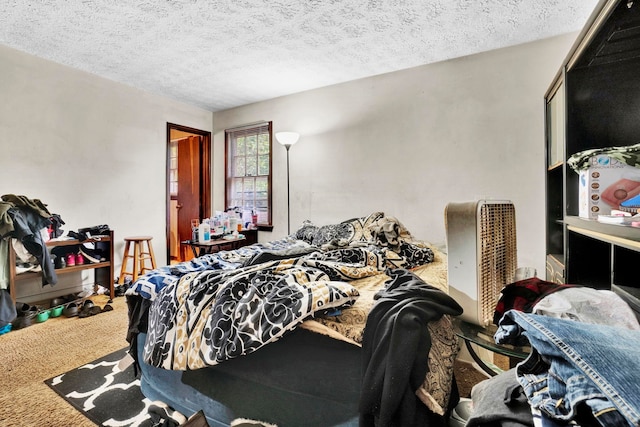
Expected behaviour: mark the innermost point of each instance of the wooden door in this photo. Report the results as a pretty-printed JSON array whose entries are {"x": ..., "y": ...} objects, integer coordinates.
[
  {"x": 188, "y": 186},
  {"x": 189, "y": 181}
]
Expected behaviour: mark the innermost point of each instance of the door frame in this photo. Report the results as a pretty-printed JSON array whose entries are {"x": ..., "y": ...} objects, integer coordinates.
[{"x": 205, "y": 176}]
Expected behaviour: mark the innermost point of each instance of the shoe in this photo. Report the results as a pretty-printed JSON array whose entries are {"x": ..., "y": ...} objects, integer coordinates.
[
  {"x": 461, "y": 413},
  {"x": 24, "y": 309},
  {"x": 58, "y": 261},
  {"x": 23, "y": 267},
  {"x": 56, "y": 311},
  {"x": 57, "y": 301},
  {"x": 120, "y": 290},
  {"x": 88, "y": 311},
  {"x": 21, "y": 322},
  {"x": 25, "y": 315},
  {"x": 100, "y": 290},
  {"x": 78, "y": 236},
  {"x": 79, "y": 259},
  {"x": 71, "y": 260},
  {"x": 70, "y": 298},
  {"x": 92, "y": 255},
  {"x": 97, "y": 230},
  {"x": 197, "y": 420},
  {"x": 43, "y": 316},
  {"x": 161, "y": 411},
  {"x": 70, "y": 310}
]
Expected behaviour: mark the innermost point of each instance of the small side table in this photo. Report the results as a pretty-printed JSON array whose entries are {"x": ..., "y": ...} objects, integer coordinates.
[
  {"x": 213, "y": 246},
  {"x": 483, "y": 337}
]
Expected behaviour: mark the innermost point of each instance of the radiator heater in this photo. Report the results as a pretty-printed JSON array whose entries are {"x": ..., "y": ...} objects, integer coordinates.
[{"x": 482, "y": 255}]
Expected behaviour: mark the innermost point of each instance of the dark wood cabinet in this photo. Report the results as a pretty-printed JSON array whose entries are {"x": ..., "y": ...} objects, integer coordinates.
[
  {"x": 251, "y": 236},
  {"x": 593, "y": 102}
]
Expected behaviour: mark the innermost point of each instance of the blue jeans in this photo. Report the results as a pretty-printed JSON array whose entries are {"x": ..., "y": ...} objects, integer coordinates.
[{"x": 575, "y": 363}]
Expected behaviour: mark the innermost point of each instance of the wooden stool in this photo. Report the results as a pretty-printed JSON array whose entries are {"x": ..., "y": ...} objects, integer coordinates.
[{"x": 139, "y": 257}]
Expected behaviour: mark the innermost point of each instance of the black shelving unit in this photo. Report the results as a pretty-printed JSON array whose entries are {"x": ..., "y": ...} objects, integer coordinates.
[{"x": 593, "y": 102}]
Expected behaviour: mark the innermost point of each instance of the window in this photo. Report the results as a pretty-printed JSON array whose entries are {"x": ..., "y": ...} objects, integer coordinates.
[
  {"x": 248, "y": 179},
  {"x": 173, "y": 168}
]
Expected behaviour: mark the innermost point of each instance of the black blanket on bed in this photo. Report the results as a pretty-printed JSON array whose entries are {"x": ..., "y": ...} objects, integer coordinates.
[{"x": 395, "y": 344}]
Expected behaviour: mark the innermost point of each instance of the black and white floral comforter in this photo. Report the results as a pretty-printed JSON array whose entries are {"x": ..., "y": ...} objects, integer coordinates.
[
  {"x": 152, "y": 283},
  {"x": 222, "y": 306},
  {"x": 212, "y": 316}
]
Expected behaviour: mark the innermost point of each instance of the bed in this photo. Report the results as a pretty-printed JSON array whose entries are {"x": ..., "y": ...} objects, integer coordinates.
[{"x": 276, "y": 331}]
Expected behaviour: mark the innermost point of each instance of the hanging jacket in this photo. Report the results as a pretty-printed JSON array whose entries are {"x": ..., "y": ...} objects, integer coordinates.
[{"x": 26, "y": 219}]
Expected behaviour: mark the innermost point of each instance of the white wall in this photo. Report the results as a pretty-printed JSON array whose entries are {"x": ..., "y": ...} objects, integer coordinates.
[
  {"x": 406, "y": 143},
  {"x": 92, "y": 149},
  {"x": 409, "y": 142}
]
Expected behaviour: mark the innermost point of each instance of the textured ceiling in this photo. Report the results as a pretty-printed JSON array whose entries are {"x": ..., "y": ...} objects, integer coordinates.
[{"x": 219, "y": 54}]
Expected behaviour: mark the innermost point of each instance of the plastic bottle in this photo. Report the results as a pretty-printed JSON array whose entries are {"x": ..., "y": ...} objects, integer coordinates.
[
  {"x": 204, "y": 232},
  {"x": 226, "y": 224}
]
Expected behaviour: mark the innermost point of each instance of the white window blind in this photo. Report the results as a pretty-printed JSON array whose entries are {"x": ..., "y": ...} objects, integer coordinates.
[{"x": 248, "y": 180}]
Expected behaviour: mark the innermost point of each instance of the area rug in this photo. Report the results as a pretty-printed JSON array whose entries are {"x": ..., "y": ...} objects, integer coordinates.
[
  {"x": 105, "y": 394},
  {"x": 111, "y": 397}
]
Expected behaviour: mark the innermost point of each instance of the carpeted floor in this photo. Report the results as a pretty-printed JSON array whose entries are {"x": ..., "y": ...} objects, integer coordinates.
[
  {"x": 44, "y": 350},
  {"x": 31, "y": 355}
]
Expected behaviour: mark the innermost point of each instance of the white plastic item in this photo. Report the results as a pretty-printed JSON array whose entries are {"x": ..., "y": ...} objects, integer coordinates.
[
  {"x": 233, "y": 224},
  {"x": 461, "y": 413},
  {"x": 204, "y": 232},
  {"x": 482, "y": 255}
]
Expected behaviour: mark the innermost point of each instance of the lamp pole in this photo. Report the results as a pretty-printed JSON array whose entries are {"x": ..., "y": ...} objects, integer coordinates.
[
  {"x": 288, "y": 139},
  {"x": 287, "y": 146}
]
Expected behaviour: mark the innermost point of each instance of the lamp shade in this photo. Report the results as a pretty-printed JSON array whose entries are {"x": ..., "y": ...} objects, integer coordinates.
[{"x": 287, "y": 138}]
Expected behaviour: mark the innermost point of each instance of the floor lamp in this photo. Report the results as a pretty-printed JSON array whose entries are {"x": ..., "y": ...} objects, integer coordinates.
[{"x": 288, "y": 139}]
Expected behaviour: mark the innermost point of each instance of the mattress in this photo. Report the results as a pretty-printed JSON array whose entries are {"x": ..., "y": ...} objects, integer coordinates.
[{"x": 302, "y": 379}]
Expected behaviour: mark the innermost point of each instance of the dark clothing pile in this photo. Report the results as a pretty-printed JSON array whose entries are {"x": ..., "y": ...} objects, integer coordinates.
[
  {"x": 523, "y": 295},
  {"x": 500, "y": 401},
  {"x": 395, "y": 346},
  {"x": 23, "y": 219}
]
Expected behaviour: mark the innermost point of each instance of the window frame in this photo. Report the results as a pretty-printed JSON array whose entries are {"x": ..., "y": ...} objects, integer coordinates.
[
  {"x": 230, "y": 136},
  {"x": 173, "y": 169}
]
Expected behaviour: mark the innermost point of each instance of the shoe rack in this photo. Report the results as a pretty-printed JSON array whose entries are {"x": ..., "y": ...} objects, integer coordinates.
[{"x": 103, "y": 271}]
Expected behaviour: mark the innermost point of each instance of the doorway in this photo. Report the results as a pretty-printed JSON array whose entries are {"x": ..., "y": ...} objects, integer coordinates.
[{"x": 188, "y": 186}]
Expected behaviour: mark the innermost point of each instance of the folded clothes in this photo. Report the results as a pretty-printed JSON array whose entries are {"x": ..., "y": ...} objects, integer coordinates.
[
  {"x": 629, "y": 154},
  {"x": 500, "y": 400}
]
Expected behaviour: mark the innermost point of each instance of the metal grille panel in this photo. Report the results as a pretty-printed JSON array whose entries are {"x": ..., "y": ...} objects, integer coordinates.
[{"x": 497, "y": 254}]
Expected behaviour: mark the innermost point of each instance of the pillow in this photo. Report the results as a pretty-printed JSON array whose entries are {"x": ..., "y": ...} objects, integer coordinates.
[
  {"x": 415, "y": 254},
  {"x": 306, "y": 232},
  {"x": 362, "y": 227},
  {"x": 329, "y": 233},
  {"x": 388, "y": 231}
]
